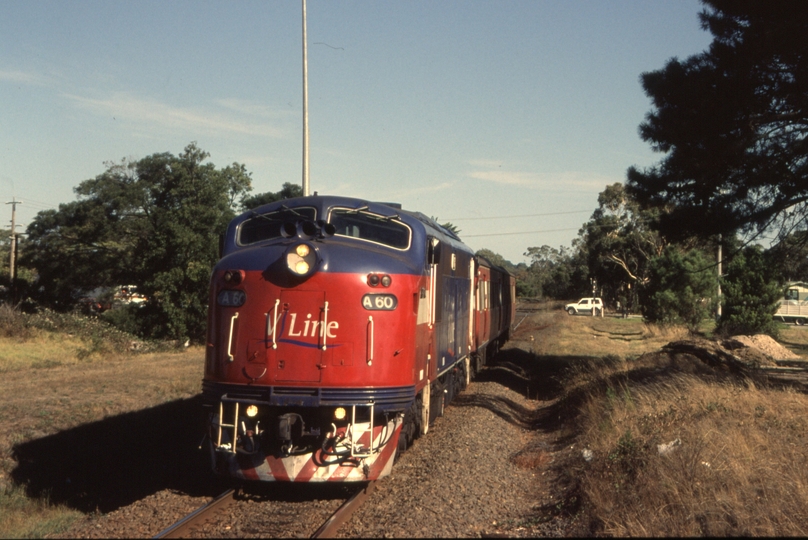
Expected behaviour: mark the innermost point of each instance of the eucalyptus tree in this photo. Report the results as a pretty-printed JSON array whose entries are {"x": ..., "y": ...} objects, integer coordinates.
[{"x": 618, "y": 242}]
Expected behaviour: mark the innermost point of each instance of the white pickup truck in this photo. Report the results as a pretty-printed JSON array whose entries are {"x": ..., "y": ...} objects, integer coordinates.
[{"x": 588, "y": 306}]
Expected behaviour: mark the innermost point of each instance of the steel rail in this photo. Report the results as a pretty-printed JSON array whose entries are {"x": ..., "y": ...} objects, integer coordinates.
[
  {"x": 331, "y": 526},
  {"x": 183, "y": 526}
]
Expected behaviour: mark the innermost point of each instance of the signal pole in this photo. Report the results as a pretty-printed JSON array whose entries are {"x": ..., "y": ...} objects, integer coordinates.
[{"x": 11, "y": 272}]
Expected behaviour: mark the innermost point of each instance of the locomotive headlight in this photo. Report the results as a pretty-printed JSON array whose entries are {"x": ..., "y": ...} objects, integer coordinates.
[
  {"x": 339, "y": 413},
  {"x": 252, "y": 411},
  {"x": 301, "y": 259}
]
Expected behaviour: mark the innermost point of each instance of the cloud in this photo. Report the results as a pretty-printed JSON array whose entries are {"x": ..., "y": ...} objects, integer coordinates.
[
  {"x": 23, "y": 77},
  {"x": 414, "y": 192},
  {"x": 252, "y": 108},
  {"x": 516, "y": 178},
  {"x": 486, "y": 163},
  {"x": 124, "y": 107},
  {"x": 492, "y": 171}
]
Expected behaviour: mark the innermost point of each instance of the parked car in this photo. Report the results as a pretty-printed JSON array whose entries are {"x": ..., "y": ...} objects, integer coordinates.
[
  {"x": 127, "y": 294},
  {"x": 587, "y": 306}
]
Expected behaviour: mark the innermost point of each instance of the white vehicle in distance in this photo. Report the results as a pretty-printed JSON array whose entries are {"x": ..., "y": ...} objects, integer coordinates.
[
  {"x": 588, "y": 306},
  {"x": 127, "y": 294}
]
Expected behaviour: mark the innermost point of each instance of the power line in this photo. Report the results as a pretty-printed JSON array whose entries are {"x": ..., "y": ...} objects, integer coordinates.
[
  {"x": 520, "y": 216},
  {"x": 514, "y": 233}
]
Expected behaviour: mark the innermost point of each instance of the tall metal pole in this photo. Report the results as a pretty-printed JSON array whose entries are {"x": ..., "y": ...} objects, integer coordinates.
[
  {"x": 305, "y": 108},
  {"x": 11, "y": 272}
]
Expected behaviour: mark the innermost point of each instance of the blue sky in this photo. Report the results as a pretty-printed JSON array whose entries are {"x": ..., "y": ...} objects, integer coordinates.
[{"x": 505, "y": 117}]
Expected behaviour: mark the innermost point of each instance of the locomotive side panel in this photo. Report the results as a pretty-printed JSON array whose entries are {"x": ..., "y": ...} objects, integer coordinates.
[{"x": 452, "y": 316}]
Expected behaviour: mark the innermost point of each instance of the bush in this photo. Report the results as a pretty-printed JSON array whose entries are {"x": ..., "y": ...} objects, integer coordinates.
[
  {"x": 13, "y": 323},
  {"x": 751, "y": 295},
  {"x": 682, "y": 288},
  {"x": 124, "y": 318}
]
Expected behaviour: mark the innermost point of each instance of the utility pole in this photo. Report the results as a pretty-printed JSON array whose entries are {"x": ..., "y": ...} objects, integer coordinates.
[
  {"x": 305, "y": 109},
  {"x": 11, "y": 269},
  {"x": 718, "y": 312}
]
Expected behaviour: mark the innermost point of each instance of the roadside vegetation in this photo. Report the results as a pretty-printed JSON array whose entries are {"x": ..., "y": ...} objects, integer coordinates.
[{"x": 653, "y": 443}]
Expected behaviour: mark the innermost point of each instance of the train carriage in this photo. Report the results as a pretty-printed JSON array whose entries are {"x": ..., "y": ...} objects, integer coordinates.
[{"x": 338, "y": 330}]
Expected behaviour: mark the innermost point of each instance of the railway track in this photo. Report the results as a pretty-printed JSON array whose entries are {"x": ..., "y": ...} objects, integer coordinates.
[
  {"x": 199, "y": 516},
  {"x": 196, "y": 519}
]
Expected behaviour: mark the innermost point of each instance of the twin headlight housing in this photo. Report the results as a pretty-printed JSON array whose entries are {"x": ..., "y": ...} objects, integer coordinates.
[{"x": 301, "y": 259}]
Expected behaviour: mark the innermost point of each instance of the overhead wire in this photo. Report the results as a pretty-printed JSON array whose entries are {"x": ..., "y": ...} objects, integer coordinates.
[{"x": 519, "y": 215}]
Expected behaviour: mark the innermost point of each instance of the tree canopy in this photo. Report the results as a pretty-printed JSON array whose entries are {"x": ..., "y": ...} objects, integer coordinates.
[
  {"x": 732, "y": 122},
  {"x": 681, "y": 288},
  {"x": 153, "y": 223},
  {"x": 619, "y": 242},
  {"x": 288, "y": 191}
]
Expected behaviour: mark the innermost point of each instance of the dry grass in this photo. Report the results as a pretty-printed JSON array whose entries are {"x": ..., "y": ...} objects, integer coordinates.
[
  {"x": 53, "y": 383},
  {"x": 737, "y": 464},
  {"x": 739, "y": 468},
  {"x": 579, "y": 335},
  {"x": 795, "y": 338},
  {"x": 739, "y": 443}
]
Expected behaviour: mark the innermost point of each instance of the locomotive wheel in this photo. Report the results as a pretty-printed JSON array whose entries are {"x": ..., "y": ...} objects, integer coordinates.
[
  {"x": 441, "y": 397},
  {"x": 437, "y": 399},
  {"x": 481, "y": 354},
  {"x": 409, "y": 429}
]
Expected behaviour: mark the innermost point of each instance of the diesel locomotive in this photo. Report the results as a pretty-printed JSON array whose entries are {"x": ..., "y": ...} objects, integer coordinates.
[{"x": 338, "y": 330}]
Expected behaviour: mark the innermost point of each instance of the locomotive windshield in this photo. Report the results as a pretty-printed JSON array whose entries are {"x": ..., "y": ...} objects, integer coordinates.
[
  {"x": 363, "y": 225},
  {"x": 267, "y": 226}
]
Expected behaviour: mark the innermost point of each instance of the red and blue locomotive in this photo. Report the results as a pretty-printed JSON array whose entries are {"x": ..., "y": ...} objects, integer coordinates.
[{"x": 338, "y": 330}]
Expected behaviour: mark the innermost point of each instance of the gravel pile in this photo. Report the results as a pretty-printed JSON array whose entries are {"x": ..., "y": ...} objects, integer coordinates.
[{"x": 767, "y": 346}]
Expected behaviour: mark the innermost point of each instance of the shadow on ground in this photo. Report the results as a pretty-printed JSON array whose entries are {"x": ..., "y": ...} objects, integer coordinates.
[
  {"x": 107, "y": 464},
  {"x": 531, "y": 375}
]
